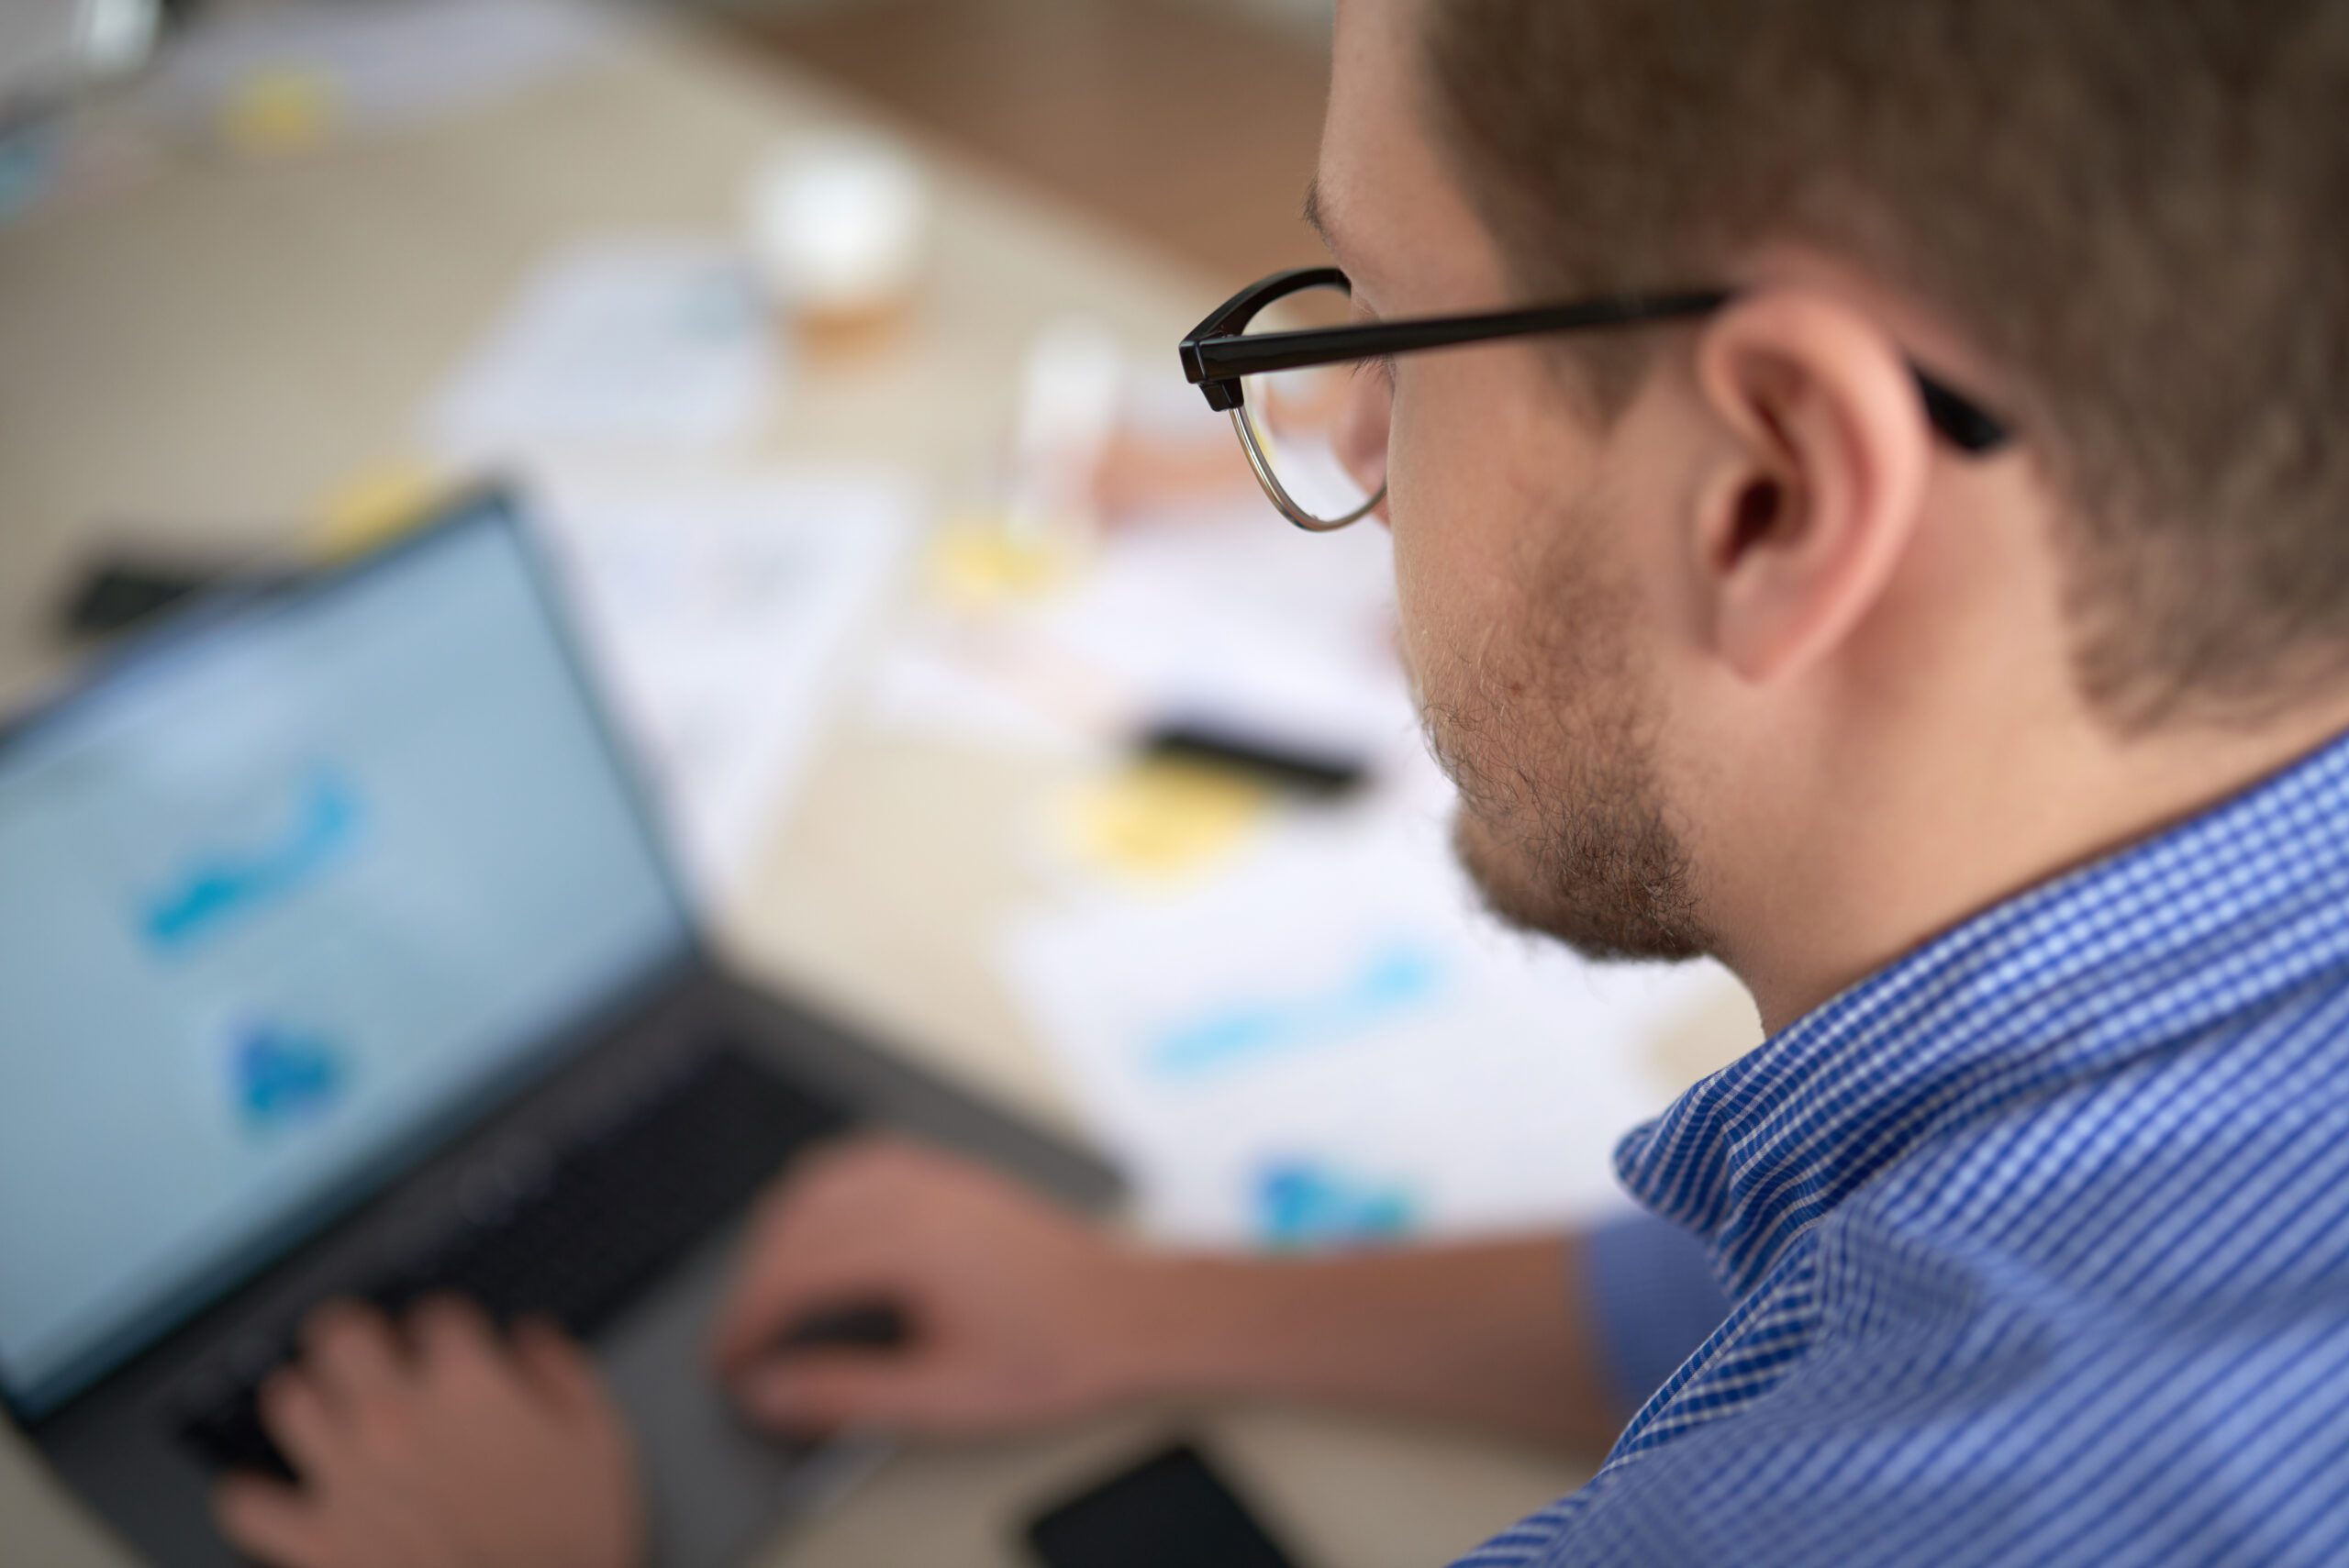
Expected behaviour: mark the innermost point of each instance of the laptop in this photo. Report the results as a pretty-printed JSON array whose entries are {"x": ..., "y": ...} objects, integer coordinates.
[{"x": 339, "y": 955}]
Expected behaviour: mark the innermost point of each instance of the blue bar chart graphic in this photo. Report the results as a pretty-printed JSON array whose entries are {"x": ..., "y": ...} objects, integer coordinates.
[
  {"x": 1397, "y": 980},
  {"x": 283, "y": 1076}
]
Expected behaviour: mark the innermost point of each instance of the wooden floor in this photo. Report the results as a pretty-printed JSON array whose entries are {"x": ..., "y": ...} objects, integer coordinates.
[{"x": 1188, "y": 125}]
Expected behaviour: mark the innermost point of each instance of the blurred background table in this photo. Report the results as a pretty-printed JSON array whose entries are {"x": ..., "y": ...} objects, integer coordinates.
[{"x": 216, "y": 349}]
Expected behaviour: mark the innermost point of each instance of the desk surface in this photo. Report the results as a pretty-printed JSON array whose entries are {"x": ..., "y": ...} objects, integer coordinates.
[{"x": 219, "y": 349}]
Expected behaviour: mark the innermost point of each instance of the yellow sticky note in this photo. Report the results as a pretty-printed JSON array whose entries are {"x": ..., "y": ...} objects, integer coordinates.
[
  {"x": 375, "y": 507},
  {"x": 283, "y": 109},
  {"x": 1162, "y": 821},
  {"x": 978, "y": 563}
]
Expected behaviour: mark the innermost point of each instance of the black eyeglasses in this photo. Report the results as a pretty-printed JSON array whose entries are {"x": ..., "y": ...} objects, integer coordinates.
[{"x": 1286, "y": 414}]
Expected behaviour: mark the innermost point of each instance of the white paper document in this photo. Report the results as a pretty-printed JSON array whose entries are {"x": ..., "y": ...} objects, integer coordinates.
[
  {"x": 1228, "y": 616},
  {"x": 651, "y": 341},
  {"x": 1331, "y": 1046},
  {"x": 723, "y": 612}
]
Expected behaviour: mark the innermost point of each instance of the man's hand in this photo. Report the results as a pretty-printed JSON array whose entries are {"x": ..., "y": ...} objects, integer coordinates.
[
  {"x": 439, "y": 1447},
  {"x": 1018, "y": 1313}
]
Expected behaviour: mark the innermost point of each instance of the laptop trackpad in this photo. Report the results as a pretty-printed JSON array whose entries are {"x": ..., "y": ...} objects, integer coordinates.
[{"x": 718, "y": 1488}]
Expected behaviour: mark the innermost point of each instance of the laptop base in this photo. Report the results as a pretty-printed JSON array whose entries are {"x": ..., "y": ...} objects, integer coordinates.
[{"x": 716, "y": 1487}]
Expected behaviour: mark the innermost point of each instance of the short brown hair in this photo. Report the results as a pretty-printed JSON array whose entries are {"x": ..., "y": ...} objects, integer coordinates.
[{"x": 2137, "y": 210}]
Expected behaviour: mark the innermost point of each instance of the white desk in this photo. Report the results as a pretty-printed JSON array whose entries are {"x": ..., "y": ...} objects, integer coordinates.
[{"x": 219, "y": 349}]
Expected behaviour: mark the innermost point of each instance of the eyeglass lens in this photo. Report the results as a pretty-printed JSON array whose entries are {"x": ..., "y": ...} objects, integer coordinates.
[{"x": 1296, "y": 417}]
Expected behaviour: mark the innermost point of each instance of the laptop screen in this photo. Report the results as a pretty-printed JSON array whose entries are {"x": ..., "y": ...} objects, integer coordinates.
[{"x": 280, "y": 899}]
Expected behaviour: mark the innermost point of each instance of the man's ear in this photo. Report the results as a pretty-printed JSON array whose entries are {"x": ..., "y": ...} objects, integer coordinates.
[{"x": 1818, "y": 496}]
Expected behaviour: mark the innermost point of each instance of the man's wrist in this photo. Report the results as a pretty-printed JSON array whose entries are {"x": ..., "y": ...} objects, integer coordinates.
[{"x": 1177, "y": 1324}]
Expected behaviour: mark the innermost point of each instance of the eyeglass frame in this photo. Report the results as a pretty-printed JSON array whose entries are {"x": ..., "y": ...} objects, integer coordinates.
[{"x": 1219, "y": 353}]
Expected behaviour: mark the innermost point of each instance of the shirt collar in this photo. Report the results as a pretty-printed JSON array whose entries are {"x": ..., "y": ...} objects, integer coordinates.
[{"x": 2099, "y": 966}]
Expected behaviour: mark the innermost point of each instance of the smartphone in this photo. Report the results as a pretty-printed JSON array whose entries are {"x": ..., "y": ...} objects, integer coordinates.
[{"x": 1171, "y": 1511}]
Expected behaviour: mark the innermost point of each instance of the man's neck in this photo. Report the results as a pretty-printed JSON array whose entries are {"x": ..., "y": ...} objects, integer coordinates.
[{"x": 1860, "y": 888}]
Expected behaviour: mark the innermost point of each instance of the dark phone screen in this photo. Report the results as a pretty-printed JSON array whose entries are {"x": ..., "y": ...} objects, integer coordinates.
[{"x": 1171, "y": 1511}]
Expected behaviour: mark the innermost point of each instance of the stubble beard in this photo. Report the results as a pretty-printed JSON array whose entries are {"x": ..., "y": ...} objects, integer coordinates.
[{"x": 1564, "y": 824}]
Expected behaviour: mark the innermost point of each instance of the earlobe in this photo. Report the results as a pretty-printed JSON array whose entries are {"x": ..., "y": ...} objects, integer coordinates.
[{"x": 1822, "y": 483}]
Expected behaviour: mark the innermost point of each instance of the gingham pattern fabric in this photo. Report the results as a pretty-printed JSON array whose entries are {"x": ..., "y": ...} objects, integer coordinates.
[{"x": 2038, "y": 1241}]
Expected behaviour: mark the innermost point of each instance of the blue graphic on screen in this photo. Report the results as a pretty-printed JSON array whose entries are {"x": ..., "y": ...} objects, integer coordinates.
[
  {"x": 283, "y": 1076},
  {"x": 1301, "y": 1204},
  {"x": 1399, "y": 980},
  {"x": 223, "y": 885}
]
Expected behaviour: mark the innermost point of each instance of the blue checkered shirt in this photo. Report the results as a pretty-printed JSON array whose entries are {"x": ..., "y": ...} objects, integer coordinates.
[{"x": 2036, "y": 1243}]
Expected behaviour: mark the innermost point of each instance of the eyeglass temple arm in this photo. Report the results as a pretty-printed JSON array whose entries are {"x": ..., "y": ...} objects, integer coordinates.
[
  {"x": 1215, "y": 359},
  {"x": 1212, "y": 356},
  {"x": 1961, "y": 420}
]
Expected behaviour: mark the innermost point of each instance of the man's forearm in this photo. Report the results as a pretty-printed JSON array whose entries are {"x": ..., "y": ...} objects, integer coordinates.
[{"x": 1495, "y": 1335}]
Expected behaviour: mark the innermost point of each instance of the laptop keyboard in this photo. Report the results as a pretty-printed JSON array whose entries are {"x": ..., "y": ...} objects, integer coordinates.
[{"x": 574, "y": 1234}]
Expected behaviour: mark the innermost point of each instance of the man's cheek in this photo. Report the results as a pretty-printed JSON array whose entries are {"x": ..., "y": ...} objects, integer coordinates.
[
  {"x": 1436, "y": 644},
  {"x": 1415, "y": 617},
  {"x": 1436, "y": 578}
]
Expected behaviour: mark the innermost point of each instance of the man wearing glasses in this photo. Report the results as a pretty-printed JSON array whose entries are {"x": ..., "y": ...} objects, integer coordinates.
[{"x": 1868, "y": 505}]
